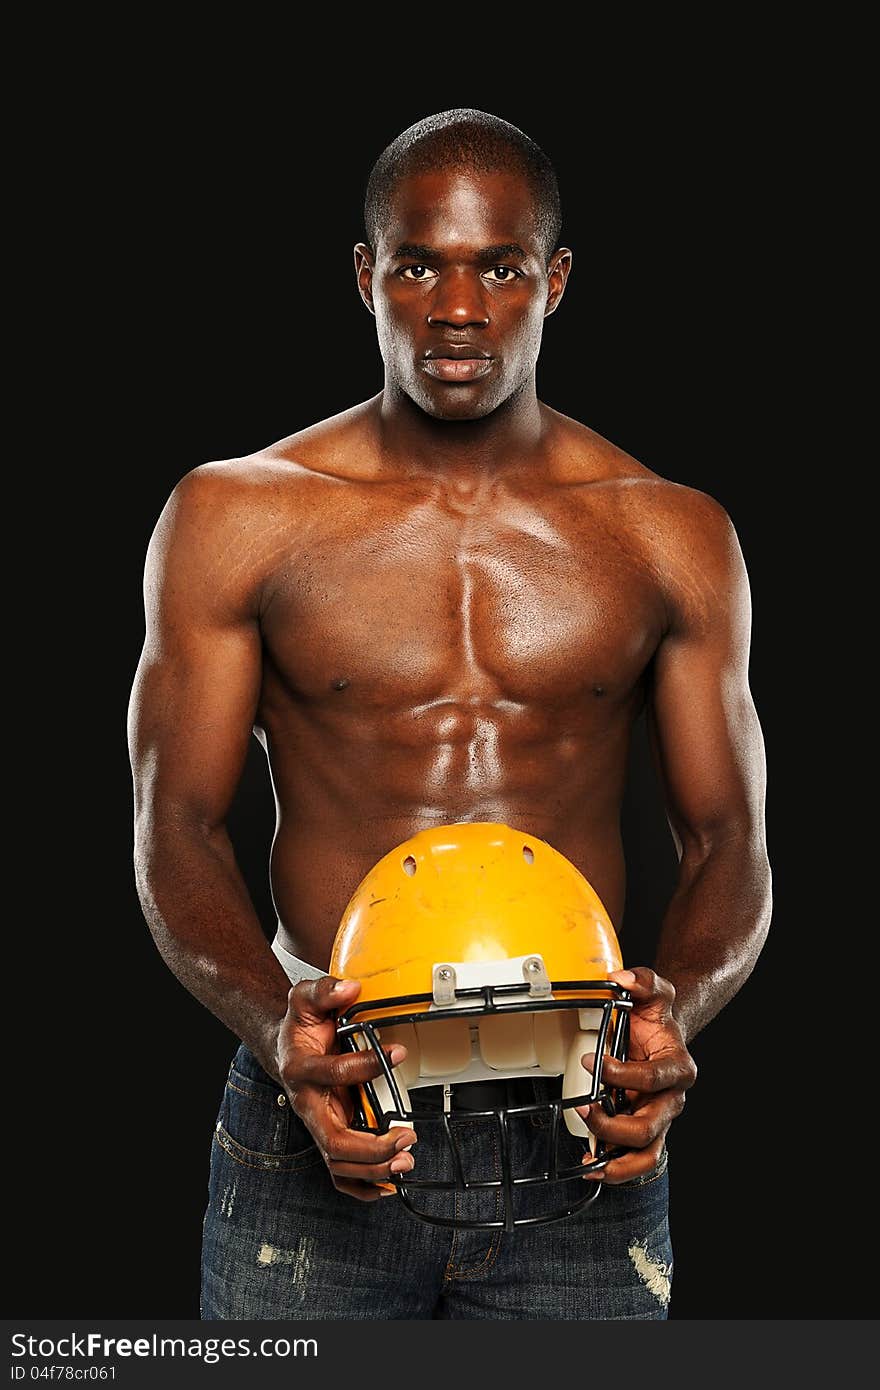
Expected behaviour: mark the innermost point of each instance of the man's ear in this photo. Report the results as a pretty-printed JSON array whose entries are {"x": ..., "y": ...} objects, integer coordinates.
[
  {"x": 364, "y": 261},
  {"x": 558, "y": 272}
]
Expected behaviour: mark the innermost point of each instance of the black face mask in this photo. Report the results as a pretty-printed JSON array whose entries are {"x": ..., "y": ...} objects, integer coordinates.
[{"x": 518, "y": 1118}]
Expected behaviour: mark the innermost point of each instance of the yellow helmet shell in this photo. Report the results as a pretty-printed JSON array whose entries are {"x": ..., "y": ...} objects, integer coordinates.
[{"x": 470, "y": 891}]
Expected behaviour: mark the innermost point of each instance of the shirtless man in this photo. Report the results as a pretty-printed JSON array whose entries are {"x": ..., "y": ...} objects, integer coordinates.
[{"x": 447, "y": 603}]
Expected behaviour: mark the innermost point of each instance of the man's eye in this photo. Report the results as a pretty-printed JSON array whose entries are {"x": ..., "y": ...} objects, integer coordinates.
[
  {"x": 425, "y": 275},
  {"x": 508, "y": 274}
]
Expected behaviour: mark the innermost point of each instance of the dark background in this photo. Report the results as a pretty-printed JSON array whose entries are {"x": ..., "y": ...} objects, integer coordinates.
[{"x": 219, "y": 231}]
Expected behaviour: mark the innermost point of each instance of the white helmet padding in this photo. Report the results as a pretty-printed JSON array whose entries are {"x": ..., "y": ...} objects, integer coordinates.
[
  {"x": 499, "y": 1046},
  {"x": 550, "y": 1043}
]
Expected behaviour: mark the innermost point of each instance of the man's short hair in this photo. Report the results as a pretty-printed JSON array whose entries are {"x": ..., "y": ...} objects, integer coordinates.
[{"x": 472, "y": 139}]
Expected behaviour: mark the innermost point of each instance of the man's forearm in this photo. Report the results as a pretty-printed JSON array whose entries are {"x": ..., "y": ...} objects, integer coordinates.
[
  {"x": 207, "y": 930},
  {"x": 714, "y": 928}
]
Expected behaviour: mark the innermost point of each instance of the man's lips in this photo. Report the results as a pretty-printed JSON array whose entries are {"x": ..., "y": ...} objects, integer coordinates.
[{"x": 457, "y": 368}]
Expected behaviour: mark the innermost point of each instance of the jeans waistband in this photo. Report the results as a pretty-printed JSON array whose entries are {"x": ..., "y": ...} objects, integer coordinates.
[{"x": 294, "y": 968}]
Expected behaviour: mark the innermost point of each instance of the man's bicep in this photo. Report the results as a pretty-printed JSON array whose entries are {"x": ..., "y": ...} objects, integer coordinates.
[
  {"x": 701, "y": 716},
  {"x": 198, "y": 681},
  {"x": 192, "y": 712}
]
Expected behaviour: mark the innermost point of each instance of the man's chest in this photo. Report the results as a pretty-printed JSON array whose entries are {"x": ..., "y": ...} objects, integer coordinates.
[{"x": 530, "y": 600}]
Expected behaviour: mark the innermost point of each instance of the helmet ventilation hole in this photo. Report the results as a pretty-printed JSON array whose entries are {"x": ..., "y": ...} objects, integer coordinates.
[
  {"x": 409, "y": 865},
  {"x": 528, "y": 854}
]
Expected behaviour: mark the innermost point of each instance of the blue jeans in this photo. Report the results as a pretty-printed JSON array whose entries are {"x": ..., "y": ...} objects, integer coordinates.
[{"x": 279, "y": 1241}]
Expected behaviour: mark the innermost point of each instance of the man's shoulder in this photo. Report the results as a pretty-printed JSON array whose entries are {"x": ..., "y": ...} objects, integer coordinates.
[
  {"x": 220, "y": 483},
  {"x": 327, "y": 448},
  {"x": 679, "y": 510},
  {"x": 632, "y": 486},
  {"x": 684, "y": 531},
  {"x": 688, "y": 542}
]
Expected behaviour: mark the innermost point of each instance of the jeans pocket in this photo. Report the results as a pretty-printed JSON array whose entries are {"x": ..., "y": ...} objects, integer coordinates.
[{"x": 257, "y": 1127}]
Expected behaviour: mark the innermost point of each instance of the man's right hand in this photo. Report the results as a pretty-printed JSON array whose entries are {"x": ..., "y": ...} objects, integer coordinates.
[{"x": 316, "y": 1078}]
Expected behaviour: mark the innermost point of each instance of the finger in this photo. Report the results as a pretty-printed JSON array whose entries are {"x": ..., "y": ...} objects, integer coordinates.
[
  {"x": 338, "y": 1068},
  {"x": 644, "y": 984},
  {"x": 661, "y": 1073},
  {"x": 338, "y": 1144},
  {"x": 355, "y": 1146},
  {"x": 363, "y": 1191},
  {"x": 312, "y": 1001},
  {"x": 632, "y": 1131},
  {"x": 629, "y": 1166},
  {"x": 374, "y": 1172}
]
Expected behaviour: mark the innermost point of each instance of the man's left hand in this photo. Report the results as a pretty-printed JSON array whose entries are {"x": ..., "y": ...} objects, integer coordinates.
[{"x": 659, "y": 1072}]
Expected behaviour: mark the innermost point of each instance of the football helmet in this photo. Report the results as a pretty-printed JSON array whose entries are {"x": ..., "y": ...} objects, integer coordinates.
[{"x": 486, "y": 953}]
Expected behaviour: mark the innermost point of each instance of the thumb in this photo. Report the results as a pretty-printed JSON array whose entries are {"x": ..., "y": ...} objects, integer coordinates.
[{"x": 314, "y": 1001}]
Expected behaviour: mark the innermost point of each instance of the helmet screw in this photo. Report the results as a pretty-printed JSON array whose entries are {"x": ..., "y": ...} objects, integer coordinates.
[
  {"x": 444, "y": 973},
  {"x": 533, "y": 966}
]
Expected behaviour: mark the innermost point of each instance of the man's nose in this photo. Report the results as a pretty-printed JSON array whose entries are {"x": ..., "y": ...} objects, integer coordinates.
[{"x": 458, "y": 299}]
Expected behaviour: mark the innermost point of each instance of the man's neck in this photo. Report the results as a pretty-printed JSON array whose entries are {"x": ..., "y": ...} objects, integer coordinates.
[{"x": 411, "y": 439}]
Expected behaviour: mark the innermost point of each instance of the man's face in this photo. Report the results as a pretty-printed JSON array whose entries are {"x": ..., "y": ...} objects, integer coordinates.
[{"x": 460, "y": 289}]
